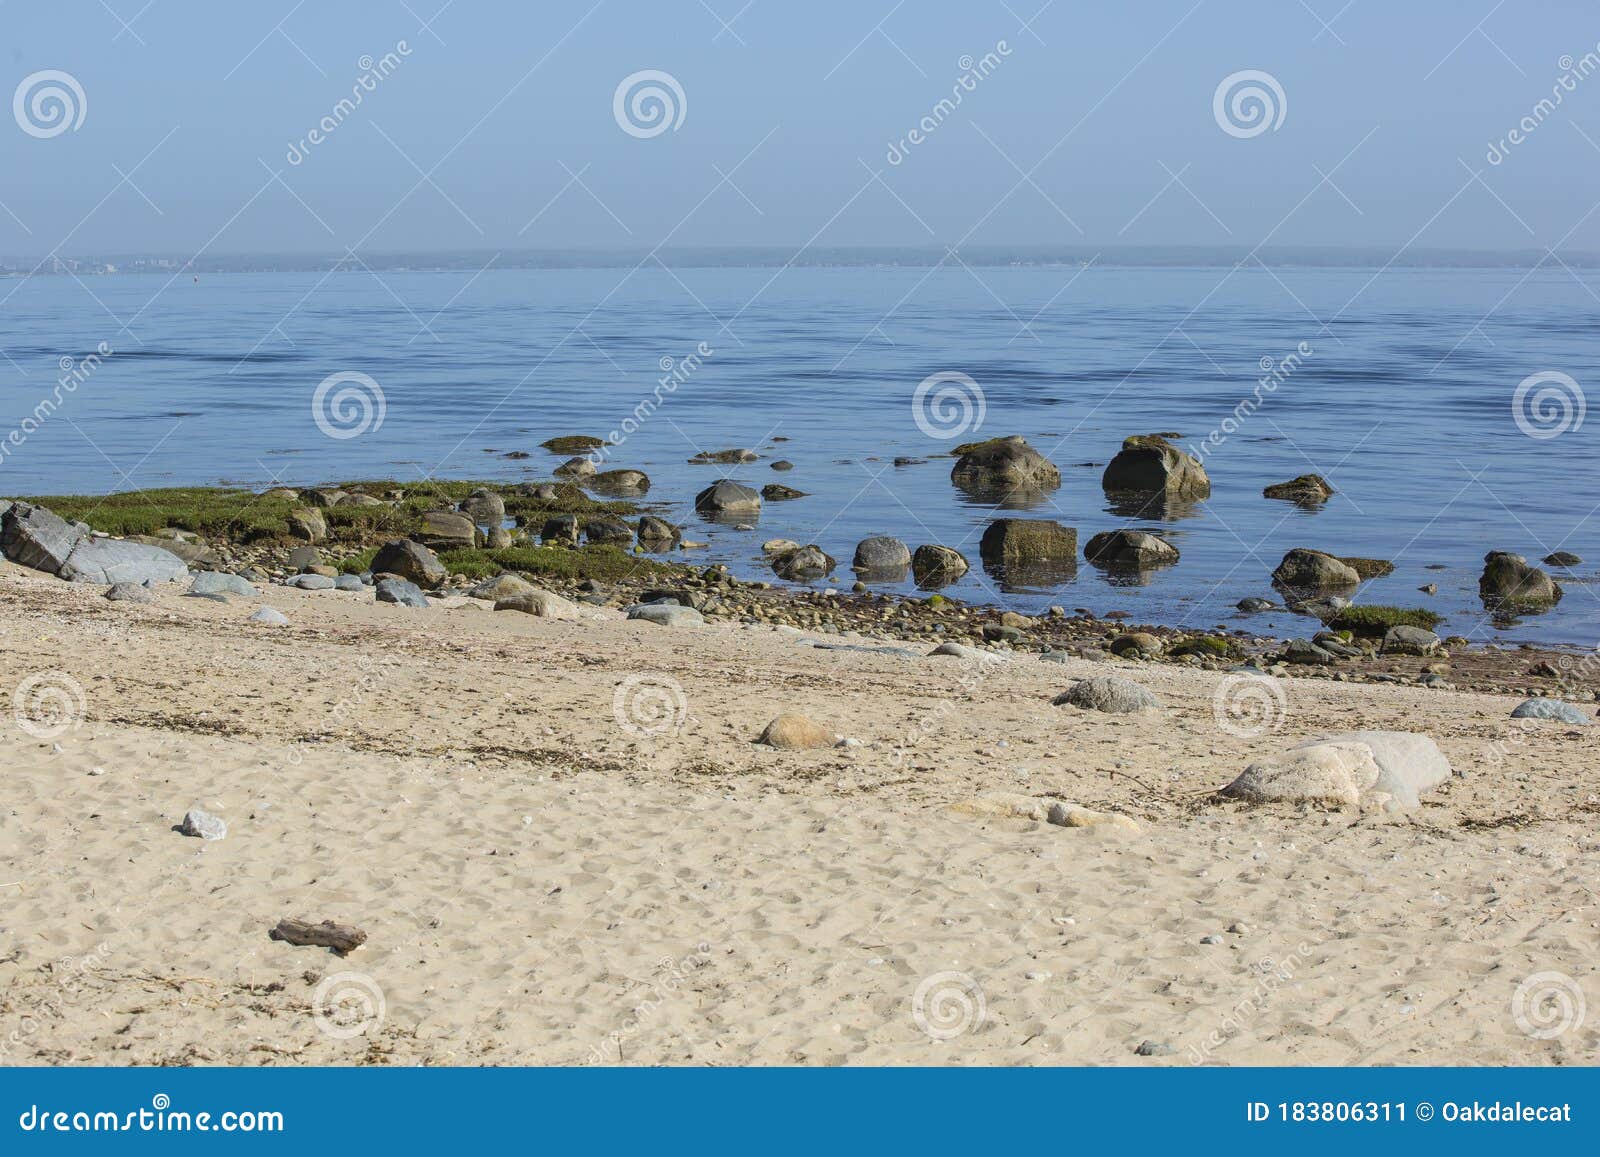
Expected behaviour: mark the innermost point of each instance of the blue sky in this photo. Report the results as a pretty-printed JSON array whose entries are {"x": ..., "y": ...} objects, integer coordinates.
[{"x": 1096, "y": 127}]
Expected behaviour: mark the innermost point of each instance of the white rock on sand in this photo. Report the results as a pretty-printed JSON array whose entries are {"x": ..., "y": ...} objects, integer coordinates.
[{"x": 1391, "y": 768}]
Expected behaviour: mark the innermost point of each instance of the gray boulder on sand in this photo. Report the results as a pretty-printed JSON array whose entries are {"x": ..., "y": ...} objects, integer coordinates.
[
  {"x": 667, "y": 615},
  {"x": 1129, "y": 548},
  {"x": 967, "y": 653},
  {"x": 1541, "y": 708},
  {"x": 130, "y": 593},
  {"x": 1314, "y": 570},
  {"x": 1109, "y": 693},
  {"x": 727, "y": 497},
  {"x": 412, "y": 561},
  {"x": 1020, "y": 541},
  {"x": 792, "y": 732},
  {"x": 203, "y": 825},
  {"x": 1149, "y": 464},
  {"x": 937, "y": 566},
  {"x": 809, "y": 562},
  {"x": 535, "y": 601},
  {"x": 1392, "y": 768},
  {"x": 1004, "y": 464},
  {"x": 1509, "y": 581},
  {"x": 502, "y": 586},
  {"x": 109, "y": 560},
  {"x": 348, "y": 582},
  {"x": 270, "y": 617},
  {"x": 38, "y": 538},
  {"x": 309, "y": 582},
  {"x": 401, "y": 591},
  {"x": 446, "y": 530}
]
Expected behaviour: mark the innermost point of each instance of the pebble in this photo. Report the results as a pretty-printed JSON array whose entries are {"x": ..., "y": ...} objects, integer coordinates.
[{"x": 1212, "y": 939}]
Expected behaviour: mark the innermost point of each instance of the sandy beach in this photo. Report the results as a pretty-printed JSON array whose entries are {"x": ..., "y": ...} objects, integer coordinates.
[{"x": 565, "y": 848}]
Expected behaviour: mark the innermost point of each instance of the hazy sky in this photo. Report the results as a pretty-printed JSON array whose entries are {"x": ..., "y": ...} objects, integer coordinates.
[{"x": 1096, "y": 125}]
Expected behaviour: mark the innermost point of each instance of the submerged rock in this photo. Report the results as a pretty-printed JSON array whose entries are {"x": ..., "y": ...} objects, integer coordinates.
[
  {"x": 809, "y": 562},
  {"x": 937, "y": 566},
  {"x": 1307, "y": 490},
  {"x": 727, "y": 497},
  {"x": 1509, "y": 582},
  {"x": 1027, "y": 541},
  {"x": 1003, "y": 464},
  {"x": 1134, "y": 549},
  {"x": 1308, "y": 570}
]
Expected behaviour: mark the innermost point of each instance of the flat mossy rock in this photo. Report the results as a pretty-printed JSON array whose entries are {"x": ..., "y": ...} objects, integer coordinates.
[
  {"x": 1308, "y": 490},
  {"x": 1368, "y": 568},
  {"x": 573, "y": 444},
  {"x": 1375, "y": 620}
]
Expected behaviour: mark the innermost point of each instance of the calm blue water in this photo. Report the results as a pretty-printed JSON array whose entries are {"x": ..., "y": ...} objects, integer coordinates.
[{"x": 1405, "y": 402}]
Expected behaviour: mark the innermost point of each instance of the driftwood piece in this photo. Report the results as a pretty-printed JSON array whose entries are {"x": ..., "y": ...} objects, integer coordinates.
[{"x": 342, "y": 938}]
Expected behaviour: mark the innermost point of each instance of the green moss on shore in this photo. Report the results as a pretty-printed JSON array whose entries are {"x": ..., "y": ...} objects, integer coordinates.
[{"x": 1374, "y": 619}]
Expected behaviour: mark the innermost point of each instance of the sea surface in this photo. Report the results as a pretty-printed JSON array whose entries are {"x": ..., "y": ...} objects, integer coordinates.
[{"x": 1401, "y": 388}]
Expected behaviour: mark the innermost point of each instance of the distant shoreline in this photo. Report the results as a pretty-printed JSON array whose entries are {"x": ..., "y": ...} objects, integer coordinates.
[{"x": 988, "y": 256}]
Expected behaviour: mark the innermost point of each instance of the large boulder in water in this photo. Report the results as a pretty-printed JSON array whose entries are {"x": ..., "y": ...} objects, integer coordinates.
[
  {"x": 620, "y": 483},
  {"x": 411, "y": 561},
  {"x": 937, "y": 566},
  {"x": 1024, "y": 542},
  {"x": 882, "y": 556},
  {"x": 1133, "y": 549},
  {"x": 727, "y": 498},
  {"x": 39, "y": 538},
  {"x": 1003, "y": 464},
  {"x": 108, "y": 560},
  {"x": 1149, "y": 464},
  {"x": 1310, "y": 571},
  {"x": 1509, "y": 582},
  {"x": 809, "y": 562}
]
